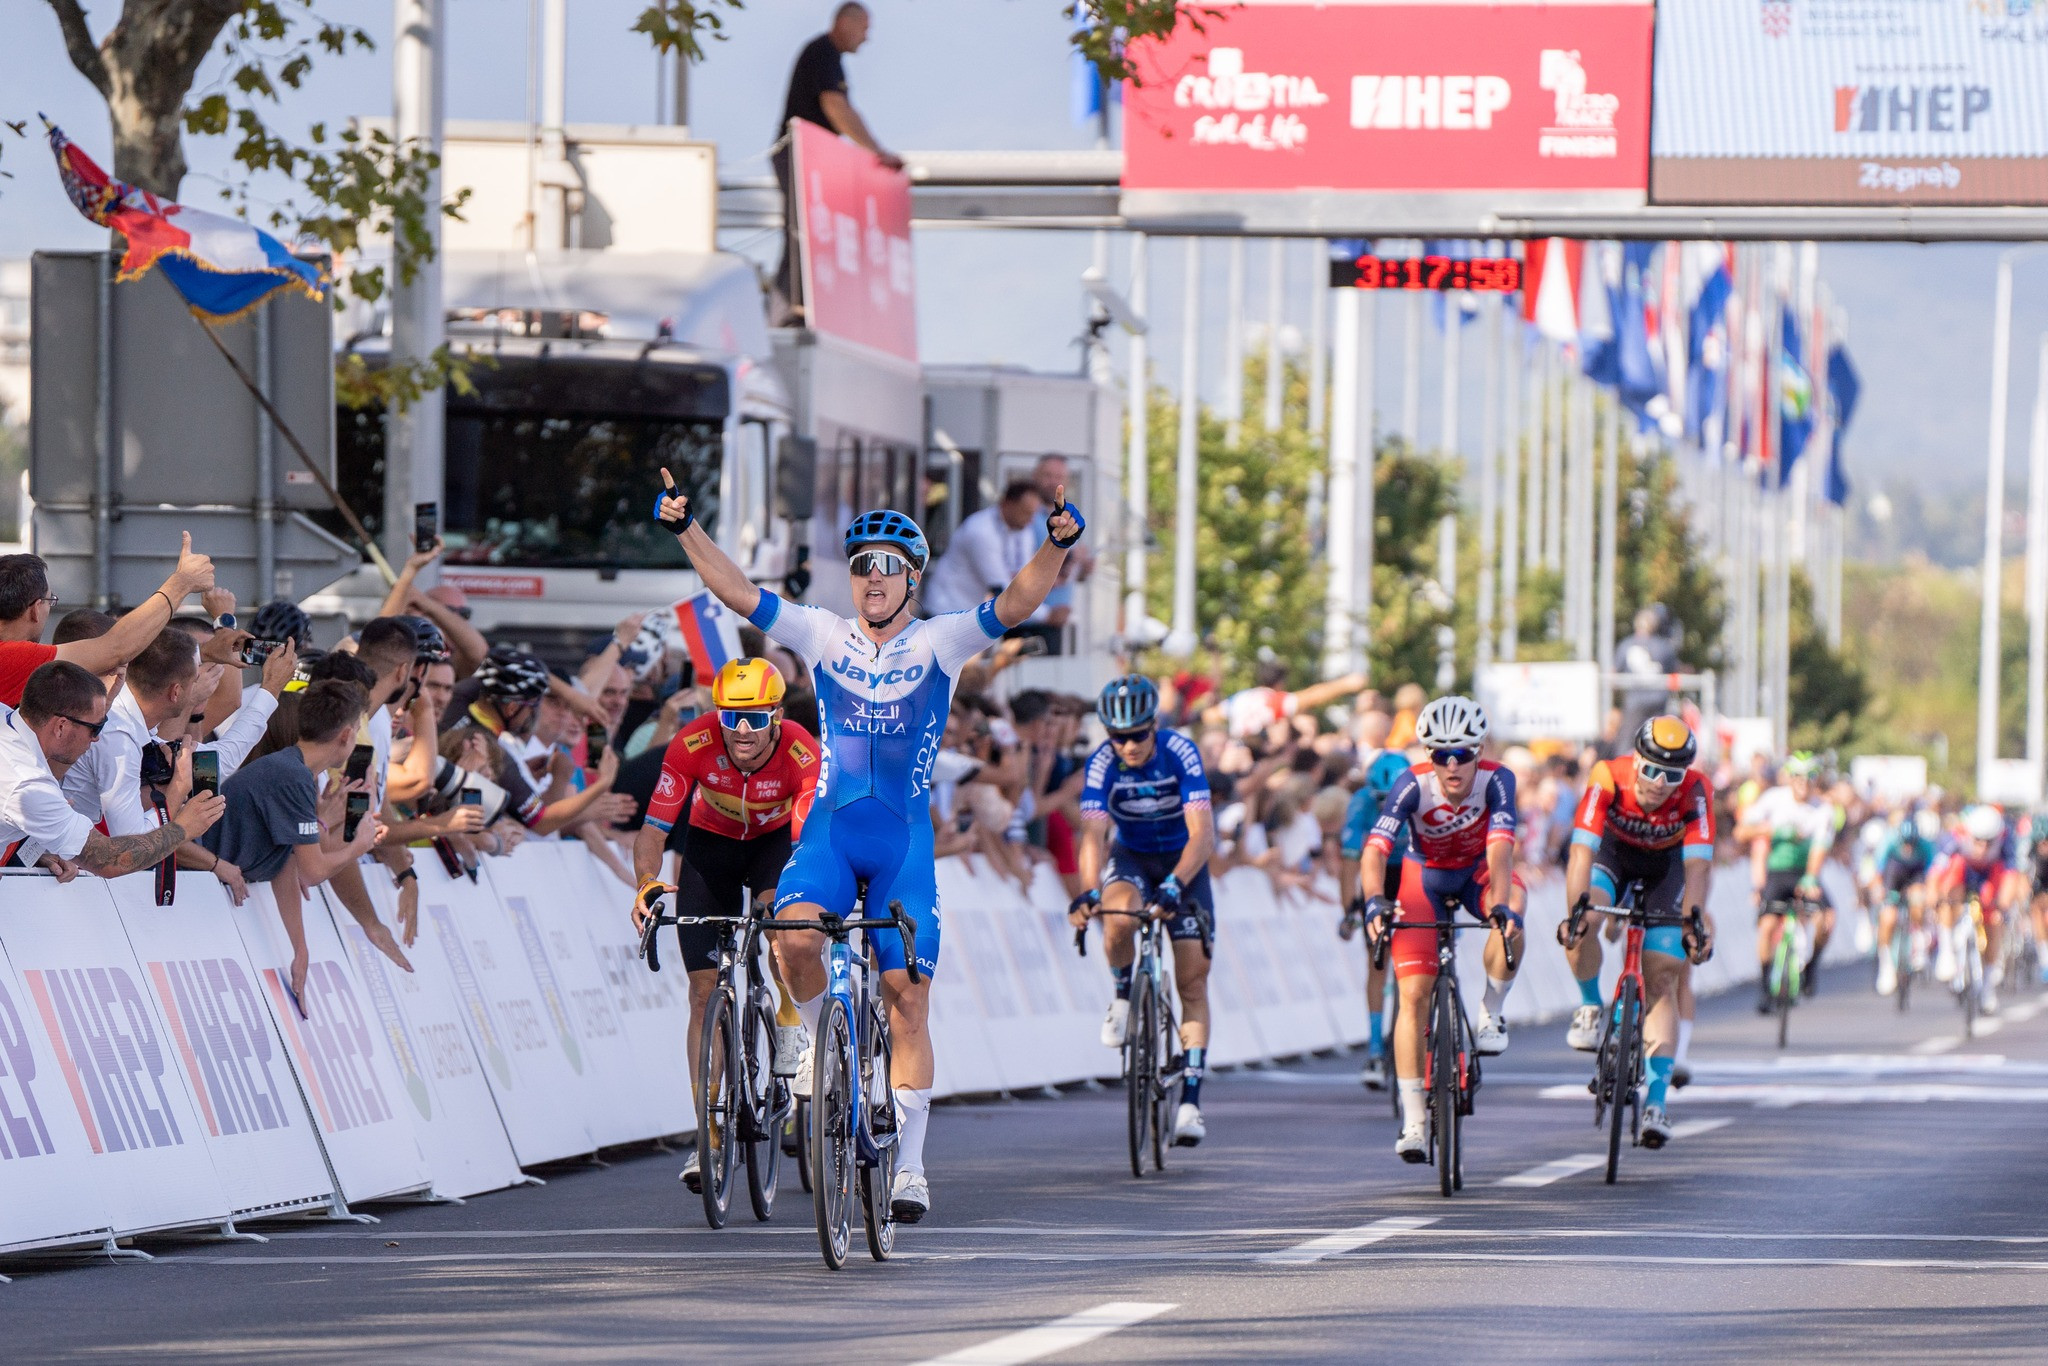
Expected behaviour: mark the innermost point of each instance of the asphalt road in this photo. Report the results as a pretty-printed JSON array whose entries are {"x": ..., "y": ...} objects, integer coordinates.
[{"x": 1873, "y": 1194}]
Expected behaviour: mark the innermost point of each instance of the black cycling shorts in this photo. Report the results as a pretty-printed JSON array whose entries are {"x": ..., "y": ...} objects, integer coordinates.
[
  {"x": 1779, "y": 885},
  {"x": 1617, "y": 863},
  {"x": 717, "y": 873}
]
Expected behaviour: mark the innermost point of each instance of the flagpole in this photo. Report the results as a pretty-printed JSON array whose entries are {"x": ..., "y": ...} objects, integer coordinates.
[
  {"x": 2037, "y": 577},
  {"x": 1536, "y": 455},
  {"x": 1341, "y": 535},
  {"x": 1318, "y": 338},
  {"x": 1366, "y": 483},
  {"x": 1512, "y": 422},
  {"x": 1554, "y": 459},
  {"x": 1138, "y": 465},
  {"x": 1411, "y": 373},
  {"x": 1181, "y": 640},
  {"x": 1994, "y": 529},
  {"x": 1276, "y": 375},
  {"x": 1489, "y": 442},
  {"x": 415, "y": 436},
  {"x": 1233, "y": 344}
]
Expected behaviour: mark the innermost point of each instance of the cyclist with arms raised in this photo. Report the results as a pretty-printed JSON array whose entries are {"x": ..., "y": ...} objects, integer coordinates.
[
  {"x": 1800, "y": 828},
  {"x": 885, "y": 684},
  {"x": 1648, "y": 817},
  {"x": 1459, "y": 811},
  {"x": 1149, "y": 783},
  {"x": 747, "y": 777}
]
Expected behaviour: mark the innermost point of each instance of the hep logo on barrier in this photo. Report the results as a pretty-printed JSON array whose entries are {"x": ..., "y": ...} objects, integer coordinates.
[
  {"x": 224, "y": 1040},
  {"x": 112, "y": 1058},
  {"x": 333, "y": 1047},
  {"x": 23, "y": 1132}
]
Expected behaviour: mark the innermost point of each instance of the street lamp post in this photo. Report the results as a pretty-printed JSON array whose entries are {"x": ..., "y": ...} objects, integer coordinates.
[{"x": 1994, "y": 521}]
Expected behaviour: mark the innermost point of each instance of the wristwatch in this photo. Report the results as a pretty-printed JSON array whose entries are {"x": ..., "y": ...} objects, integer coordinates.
[{"x": 398, "y": 879}]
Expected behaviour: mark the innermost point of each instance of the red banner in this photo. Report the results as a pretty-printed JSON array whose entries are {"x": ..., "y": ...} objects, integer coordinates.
[
  {"x": 1373, "y": 97},
  {"x": 859, "y": 278}
]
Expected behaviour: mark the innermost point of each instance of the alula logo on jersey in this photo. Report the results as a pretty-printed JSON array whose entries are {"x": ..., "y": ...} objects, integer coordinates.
[
  {"x": 107, "y": 1045},
  {"x": 874, "y": 718},
  {"x": 1254, "y": 105},
  {"x": 1949, "y": 108},
  {"x": 225, "y": 1042}
]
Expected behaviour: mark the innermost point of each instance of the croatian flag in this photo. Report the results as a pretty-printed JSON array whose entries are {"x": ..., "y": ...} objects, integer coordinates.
[
  {"x": 710, "y": 631},
  {"x": 222, "y": 266}
]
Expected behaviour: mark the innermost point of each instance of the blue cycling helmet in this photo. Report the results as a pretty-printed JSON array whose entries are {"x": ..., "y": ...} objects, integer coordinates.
[
  {"x": 886, "y": 527},
  {"x": 1383, "y": 774},
  {"x": 1128, "y": 703}
]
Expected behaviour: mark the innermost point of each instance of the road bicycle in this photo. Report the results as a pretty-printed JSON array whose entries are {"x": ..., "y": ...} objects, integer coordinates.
[
  {"x": 1621, "y": 1062},
  {"x": 851, "y": 1138},
  {"x": 1969, "y": 937},
  {"x": 1788, "y": 960},
  {"x": 742, "y": 1107},
  {"x": 1450, "y": 1063},
  {"x": 1904, "y": 937},
  {"x": 1153, "y": 1063}
]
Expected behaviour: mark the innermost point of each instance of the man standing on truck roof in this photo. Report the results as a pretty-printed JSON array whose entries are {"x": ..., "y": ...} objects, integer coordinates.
[{"x": 817, "y": 94}]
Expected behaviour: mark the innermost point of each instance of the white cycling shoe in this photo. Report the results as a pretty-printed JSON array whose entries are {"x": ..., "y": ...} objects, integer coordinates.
[
  {"x": 692, "y": 1175},
  {"x": 1116, "y": 1024},
  {"x": 1945, "y": 962},
  {"x": 1373, "y": 1076},
  {"x": 1584, "y": 1034},
  {"x": 1188, "y": 1128},
  {"x": 1491, "y": 1037},
  {"x": 910, "y": 1199},
  {"x": 1887, "y": 976},
  {"x": 789, "y": 1050},
  {"x": 1656, "y": 1128},
  {"x": 1987, "y": 1000},
  {"x": 800, "y": 1084},
  {"x": 1413, "y": 1144}
]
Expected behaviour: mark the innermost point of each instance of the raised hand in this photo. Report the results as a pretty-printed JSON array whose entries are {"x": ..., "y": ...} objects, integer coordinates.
[
  {"x": 1064, "y": 524},
  {"x": 672, "y": 509}
]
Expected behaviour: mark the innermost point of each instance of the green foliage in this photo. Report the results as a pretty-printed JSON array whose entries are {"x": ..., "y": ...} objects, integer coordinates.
[
  {"x": 1105, "y": 29},
  {"x": 683, "y": 26},
  {"x": 1830, "y": 693},
  {"x": 1658, "y": 559}
]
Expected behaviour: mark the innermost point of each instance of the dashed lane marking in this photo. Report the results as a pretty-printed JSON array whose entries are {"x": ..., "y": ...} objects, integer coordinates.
[
  {"x": 1786, "y": 1094},
  {"x": 1031, "y": 1344},
  {"x": 1336, "y": 1244},
  {"x": 1555, "y": 1170}
]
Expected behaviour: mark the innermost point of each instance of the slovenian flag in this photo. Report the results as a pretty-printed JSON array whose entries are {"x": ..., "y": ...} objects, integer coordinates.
[
  {"x": 710, "y": 631},
  {"x": 222, "y": 266}
]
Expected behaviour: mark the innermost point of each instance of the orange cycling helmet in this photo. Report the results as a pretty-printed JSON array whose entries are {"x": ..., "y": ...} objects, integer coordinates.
[{"x": 747, "y": 683}]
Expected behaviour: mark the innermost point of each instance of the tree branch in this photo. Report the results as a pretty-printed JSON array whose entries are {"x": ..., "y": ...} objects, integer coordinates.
[{"x": 85, "y": 54}]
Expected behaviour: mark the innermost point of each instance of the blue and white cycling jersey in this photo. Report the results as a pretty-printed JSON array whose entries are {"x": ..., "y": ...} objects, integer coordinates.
[
  {"x": 1147, "y": 802},
  {"x": 881, "y": 708}
]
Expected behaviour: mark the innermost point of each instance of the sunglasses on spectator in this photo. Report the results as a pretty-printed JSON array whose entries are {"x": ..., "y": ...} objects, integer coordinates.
[
  {"x": 463, "y": 612},
  {"x": 1130, "y": 737},
  {"x": 1453, "y": 758},
  {"x": 883, "y": 562},
  {"x": 94, "y": 726},
  {"x": 745, "y": 720},
  {"x": 1659, "y": 773}
]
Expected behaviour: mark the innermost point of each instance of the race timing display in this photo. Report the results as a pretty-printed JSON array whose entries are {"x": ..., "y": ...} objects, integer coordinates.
[{"x": 1481, "y": 274}]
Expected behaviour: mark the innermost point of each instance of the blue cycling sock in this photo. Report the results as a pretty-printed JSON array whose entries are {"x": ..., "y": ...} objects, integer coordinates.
[
  {"x": 1589, "y": 990},
  {"x": 1378, "y": 1040},
  {"x": 1122, "y": 977},
  {"x": 1191, "y": 1084},
  {"x": 1660, "y": 1079}
]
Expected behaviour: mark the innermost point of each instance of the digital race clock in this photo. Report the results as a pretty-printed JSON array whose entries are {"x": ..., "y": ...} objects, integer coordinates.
[{"x": 1489, "y": 274}]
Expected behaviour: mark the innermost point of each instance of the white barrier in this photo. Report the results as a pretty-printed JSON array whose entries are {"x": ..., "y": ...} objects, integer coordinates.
[{"x": 142, "y": 1087}]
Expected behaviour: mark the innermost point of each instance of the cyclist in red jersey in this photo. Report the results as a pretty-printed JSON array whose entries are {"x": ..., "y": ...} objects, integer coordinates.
[
  {"x": 1649, "y": 817},
  {"x": 747, "y": 778}
]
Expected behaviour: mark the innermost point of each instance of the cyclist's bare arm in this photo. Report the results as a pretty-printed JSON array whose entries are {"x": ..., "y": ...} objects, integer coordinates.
[
  {"x": 647, "y": 852},
  {"x": 1201, "y": 843},
  {"x": 724, "y": 578},
  {"x": 1027, "y": 592},
  {"x": 1372, "y": 871}
]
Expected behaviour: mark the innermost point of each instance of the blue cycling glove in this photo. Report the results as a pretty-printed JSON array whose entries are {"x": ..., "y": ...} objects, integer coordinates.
[
  {"x": 672, "y": 524},
  {"x": 1080, "y": 525},
  {"x": 1167, "y": 894}
]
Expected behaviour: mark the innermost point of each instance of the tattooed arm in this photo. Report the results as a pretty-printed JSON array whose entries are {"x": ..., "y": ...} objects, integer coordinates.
[{"x": 113, "y": 856}]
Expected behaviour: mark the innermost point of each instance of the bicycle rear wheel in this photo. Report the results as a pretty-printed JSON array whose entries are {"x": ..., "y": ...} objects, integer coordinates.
[
  {"x": 718, "y": 1109},
  {"x": 1141, "y": 1069},
  {"x": 1622, "y": 1059},
  {"x": 1443, "y": 1085},
  {"x": 1902, "y": 959},
  {"x": 763, "y": 1124},
  {"x": 799, "y": 1144},
  {"x": 1165, "y": 1094},
  {"x": 831, "y": 1139},
  {"x": 878, "y": 1179},
  {"x": 1787, "y": 988}
]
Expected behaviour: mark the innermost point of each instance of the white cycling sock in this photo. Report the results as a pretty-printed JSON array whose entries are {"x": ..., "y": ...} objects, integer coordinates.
[
  {"x": 1684, "y": 1040},
  {"x": 1411, "y": 1101},
  {"x": 1496, "y": 995},
  {"x": 913, "y": 1112},
  {"x": 809, "y": 1012}
]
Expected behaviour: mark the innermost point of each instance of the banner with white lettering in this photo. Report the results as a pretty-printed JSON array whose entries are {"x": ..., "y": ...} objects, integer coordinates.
[
  {"x": 653, "y": 1006},
  {"x": 148, "y": 1151},
  {"x": 343, "y": 1059},
  {"x": 547, "y": 910},
  {"x": 47, "y": 1193},
  {"x": 420, "y": 1013},
  {"x": 540, "y": 1091},
  {"x": 207, "y": 999}
]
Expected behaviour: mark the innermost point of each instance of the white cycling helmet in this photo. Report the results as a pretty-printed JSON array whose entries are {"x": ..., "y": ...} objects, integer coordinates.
[
  {"x": 1451, "y": 723},
  {"x": 1928, "y": 823},
  {"x": 1984, "y": 823}
]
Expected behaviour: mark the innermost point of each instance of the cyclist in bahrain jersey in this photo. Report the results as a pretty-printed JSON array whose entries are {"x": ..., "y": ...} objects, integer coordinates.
[
  {"x": 1459, "y": 811},
  {"x": 885, "y": 684},
  {"x": 1150, "y": 783}
]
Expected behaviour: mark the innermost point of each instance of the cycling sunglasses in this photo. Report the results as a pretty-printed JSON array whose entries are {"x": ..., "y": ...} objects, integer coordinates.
[
  {"x": 884, "y": 562},
  {"x": 745, "y": 720},
  {"x": 1659, "y": 773},
  {"x": 1453, "y": 758},
  {"x": 1131, "y": 737}
]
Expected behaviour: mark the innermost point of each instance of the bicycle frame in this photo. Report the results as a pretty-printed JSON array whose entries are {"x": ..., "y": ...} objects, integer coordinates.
[{"x": 1148, "y": 1119}]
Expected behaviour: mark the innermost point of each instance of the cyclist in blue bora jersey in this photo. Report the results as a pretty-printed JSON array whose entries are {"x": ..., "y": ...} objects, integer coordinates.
[
  {"x": 885, "y": 684},
  {"x": 1149, "y": 783},
  {"x": 1359, "y": 819}
]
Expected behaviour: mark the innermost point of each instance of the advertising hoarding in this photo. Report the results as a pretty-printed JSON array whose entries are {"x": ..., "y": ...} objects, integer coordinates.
[
  {"x": 1881, "y": 103},
  {"x": 859, "y": 276},
  {"x": 1370, "y": 115},
  {"x": 1556, "y": 701}
]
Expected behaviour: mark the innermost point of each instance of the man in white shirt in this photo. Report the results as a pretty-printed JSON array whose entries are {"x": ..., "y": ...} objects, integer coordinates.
[
  {"x": 986, "y": 552},
  {"x": 63, "y": 710}
]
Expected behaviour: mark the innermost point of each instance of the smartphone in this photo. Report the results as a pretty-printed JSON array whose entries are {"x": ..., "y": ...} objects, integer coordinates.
[
  {"x": 205, "y": 771},
  {"x": 472, "y": 797},
  {"x": 358, "y": 807},
  {"x": 595, "y": 738},
  {"x": 359, "y": 762},
  {"x": 256, "y": 651},
  {"x": 426, "y": 525}
]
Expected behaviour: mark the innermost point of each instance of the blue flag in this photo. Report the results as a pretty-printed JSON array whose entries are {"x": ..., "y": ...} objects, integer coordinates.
[
  {"x": 1706, "y": 376},
  {"x": 1844, "y": 388},
  {"x": 1795, "y": 399}
]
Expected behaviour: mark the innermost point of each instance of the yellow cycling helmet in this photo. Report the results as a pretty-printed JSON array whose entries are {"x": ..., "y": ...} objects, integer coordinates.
[{"x": 747, "y": 683}]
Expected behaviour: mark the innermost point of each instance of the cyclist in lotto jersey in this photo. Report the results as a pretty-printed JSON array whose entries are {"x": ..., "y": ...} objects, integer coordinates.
[
  {"x": 1646, "y": 817},
  {"x": 1148, "y": 783},
  {"x": 885, "y": 684},
  {"x": 1459, "y": 811}
]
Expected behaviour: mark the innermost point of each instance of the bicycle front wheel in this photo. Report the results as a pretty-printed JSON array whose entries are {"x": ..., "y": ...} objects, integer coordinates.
[
  {"x": 1443, "y": 1085},
  {"x": 718, "y": 1130},
  {"x": 1787, "y": 960},
  {"x": 1622, "y": 1059},
  {"x": 1902, "y": 960},
  {"x": 1165, "y": 1094},
  {"x": 878, "y": 1180},
  {"x": 831, "y": 1139},
  {"x": 763, "y": 1118},
  {"x": 1141, "y": 1068}
]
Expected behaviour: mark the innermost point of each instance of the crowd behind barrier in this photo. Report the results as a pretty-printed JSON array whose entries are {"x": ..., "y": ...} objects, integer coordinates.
[{"x": 158, "y": 1073}]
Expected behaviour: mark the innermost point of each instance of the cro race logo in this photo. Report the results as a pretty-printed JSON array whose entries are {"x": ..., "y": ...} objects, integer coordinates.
[{"x": 1776, "y": 18}]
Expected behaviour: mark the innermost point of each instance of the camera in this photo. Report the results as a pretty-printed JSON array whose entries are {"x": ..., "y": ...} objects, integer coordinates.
[
  {"x": 256, "y": 651},
  {"x": 453, "y": 785}
]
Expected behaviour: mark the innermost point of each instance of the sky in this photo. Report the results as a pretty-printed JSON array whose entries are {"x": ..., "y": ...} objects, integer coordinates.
[{"x": 983, "y": 74}]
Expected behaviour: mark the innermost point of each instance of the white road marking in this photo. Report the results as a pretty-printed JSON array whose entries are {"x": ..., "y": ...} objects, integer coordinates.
[
  {"x": 1555, "y": 1170},
  {"x": 1030, "y": 1344},
  {"x": 1692, "y": 1128},
  {"x": 1334, "y": 1244},
  {"x": 1940, "y": 1043},
  {"x": 1617, "y": 1259},
  {"x": 1785, "y": 1094}
]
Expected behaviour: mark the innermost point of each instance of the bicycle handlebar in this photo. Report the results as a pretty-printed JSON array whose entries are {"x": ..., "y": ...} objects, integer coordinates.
[
  {"x": 1153, "y": 911},
  {"x": 1386, "y": 939},
  {"x": 838, "y": 927},
  {"x": 650, "y": 933}
]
